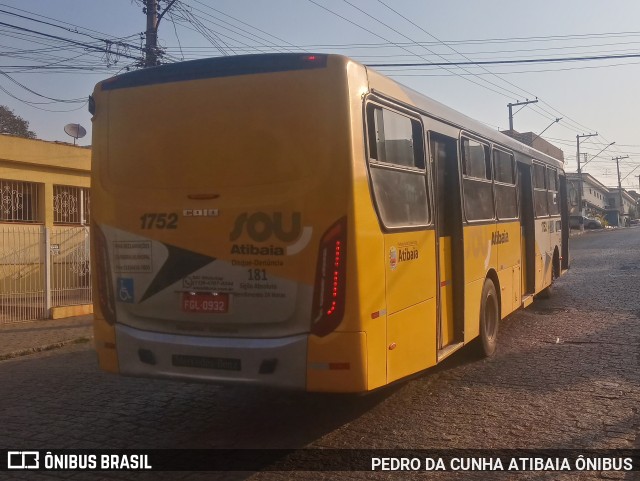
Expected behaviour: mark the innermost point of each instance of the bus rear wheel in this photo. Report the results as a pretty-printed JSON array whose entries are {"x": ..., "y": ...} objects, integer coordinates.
[{"x": 489, "y": 319}]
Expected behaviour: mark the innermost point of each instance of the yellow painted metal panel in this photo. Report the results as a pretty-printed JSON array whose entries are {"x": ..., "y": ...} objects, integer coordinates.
[
  {"x": 105, "y": 343},
  {"x": 507, "y": 240},
  {"x": 411, "y": 268},
  {"x": 337, "y": 362},
  {"x": 517, "y": 287},
  {"x": 505, "y": 277},
  {"x": 446, "y": 292},
  {"x": 472, "y": 296},
  {"x": 250, "y": 166},
  {"x": 479, "y": 254},
  {"x": 412, "y": 340},
  {"x": 539, "y": 271},
  {"x": 548, "y": 239},
  {"x": 367, "y": 285}
]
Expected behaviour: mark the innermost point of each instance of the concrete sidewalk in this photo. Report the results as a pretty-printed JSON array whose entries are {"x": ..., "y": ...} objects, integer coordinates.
[{"x": 23, "y": 338}]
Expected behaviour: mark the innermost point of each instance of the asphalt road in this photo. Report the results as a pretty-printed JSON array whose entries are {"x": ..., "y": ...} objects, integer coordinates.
[{"x": 566, "y": 375}]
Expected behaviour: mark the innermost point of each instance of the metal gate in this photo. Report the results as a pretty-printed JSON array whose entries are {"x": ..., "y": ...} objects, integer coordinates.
[{"x": 42, "y": 267}]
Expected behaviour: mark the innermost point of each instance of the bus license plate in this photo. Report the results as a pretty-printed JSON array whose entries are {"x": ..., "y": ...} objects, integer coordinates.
[{"x": 205, "y": 303}]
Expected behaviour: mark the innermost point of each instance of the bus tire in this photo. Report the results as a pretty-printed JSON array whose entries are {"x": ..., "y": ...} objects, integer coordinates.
[{"x": 489, "y": 319}]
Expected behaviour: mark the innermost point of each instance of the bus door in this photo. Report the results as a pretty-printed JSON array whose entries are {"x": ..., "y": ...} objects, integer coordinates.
[
  {"x": 525, "y": 188},
  {"x": 564, "y": 216},
  {"x": 449, "y": 242}
]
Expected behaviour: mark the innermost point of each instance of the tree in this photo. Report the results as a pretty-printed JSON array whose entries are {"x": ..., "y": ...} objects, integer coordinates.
[{"x": 12, "y": 124}]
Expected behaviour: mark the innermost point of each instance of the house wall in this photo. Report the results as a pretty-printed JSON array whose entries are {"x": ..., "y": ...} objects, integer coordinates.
[
  {"x": 46, "y": 163},
  {"x": 44, "y": 264}
]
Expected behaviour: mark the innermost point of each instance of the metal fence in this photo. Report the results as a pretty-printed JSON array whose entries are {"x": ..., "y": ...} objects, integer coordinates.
[
  {"x": 41, "y": 268},
  {"x": 70, "y": 270}
]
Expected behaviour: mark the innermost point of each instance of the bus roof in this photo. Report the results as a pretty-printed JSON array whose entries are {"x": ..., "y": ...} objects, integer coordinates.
[
  {"x": 216, "y": 67},
  {"x": 281, "y": 62},
  {"x": 438, "y": 111}
]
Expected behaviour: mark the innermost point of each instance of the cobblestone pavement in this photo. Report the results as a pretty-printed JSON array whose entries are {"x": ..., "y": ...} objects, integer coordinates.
[
  {"x": 19, "y": 339},
  {"x": 566, "y": 375}
]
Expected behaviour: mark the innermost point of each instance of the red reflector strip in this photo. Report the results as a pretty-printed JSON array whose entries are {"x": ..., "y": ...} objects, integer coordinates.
[
  {"x": 375, "y": 315},
  {"x": 203, "y": 196},
  {"x": 339, "y": 366},
  {"x": 330, "y": 366}
]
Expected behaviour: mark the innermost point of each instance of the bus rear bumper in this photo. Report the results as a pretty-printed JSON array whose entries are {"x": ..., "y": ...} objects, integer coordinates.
[{"x": 277, "y": 362}]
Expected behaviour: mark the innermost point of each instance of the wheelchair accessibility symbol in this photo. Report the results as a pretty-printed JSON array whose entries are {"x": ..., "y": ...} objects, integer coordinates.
[{"x": 125, "y": 290}]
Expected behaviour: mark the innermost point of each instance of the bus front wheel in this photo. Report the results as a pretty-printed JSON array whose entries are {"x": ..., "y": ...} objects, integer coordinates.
[{"x": 489, "y": 319}]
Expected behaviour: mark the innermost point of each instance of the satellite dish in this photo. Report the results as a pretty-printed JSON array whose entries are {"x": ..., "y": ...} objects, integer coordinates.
[{"x": 76, "y": 131}]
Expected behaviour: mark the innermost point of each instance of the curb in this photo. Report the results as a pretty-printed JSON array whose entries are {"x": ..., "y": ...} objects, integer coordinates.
[{"x": 47, "y": 347}]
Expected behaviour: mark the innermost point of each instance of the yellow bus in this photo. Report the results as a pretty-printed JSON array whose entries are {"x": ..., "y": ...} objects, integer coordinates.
[{"x": 304, "y": 222}]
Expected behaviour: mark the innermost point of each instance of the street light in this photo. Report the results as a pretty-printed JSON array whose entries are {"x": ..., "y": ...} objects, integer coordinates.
[
  {"x": 554, "y": 122},
  {"x": 605, "y": 148}
]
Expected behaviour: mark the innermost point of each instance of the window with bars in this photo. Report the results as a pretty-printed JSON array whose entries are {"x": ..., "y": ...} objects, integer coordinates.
[
  {"x": 20, "y": 201},
  {"x": 71, "y": 205}
]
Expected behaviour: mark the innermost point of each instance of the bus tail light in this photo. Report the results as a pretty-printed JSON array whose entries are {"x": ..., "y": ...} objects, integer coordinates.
[
  {"x": 102, "y": 272},
  {"x": 330, "y": 285}
]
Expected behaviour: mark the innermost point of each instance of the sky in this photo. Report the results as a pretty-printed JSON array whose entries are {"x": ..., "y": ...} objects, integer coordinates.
[{"x": 53, "y": 53}]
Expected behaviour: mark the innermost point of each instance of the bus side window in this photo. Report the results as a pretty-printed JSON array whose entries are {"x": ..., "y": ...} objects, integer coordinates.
[
  {"x": 540, "y": 190},
  {"x": 552, "y": 194},
  {"x": 397, "y": 166},
  {"x": 505, "y": 185},
  {"x": 398, "y": 138},
  {"x": 477, "y": 184}
]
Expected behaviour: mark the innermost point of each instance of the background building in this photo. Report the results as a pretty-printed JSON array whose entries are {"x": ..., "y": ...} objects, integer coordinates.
[
  {"x": 537, "y": 142},
  {"x": 45, "y": 210},
  {"x": 594, "y": 195},
  {"x": 623, "y": 204}
]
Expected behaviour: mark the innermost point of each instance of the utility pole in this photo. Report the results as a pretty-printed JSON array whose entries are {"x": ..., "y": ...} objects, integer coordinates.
[
  {"x": 151, "y": 50},
  {"x": 151, "y": 35},
  {"x": 580, "y": 210},
  {"x": 515, "y": 105},
  {"x": 617, "y": 159}
]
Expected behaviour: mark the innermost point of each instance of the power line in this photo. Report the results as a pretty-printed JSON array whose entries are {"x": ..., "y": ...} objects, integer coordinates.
[
  {"x": 273, "y": 45},
  {"x": 63, "y": 22},
  {"x": 503, "y": 62},
  {"x": 70, "y": 41},
  {"x": 59, "y": 26},
  {"x": 40, "y": 95},
  {"x": 397, "y": 45},
  {"x": 504, "y": 73}
]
